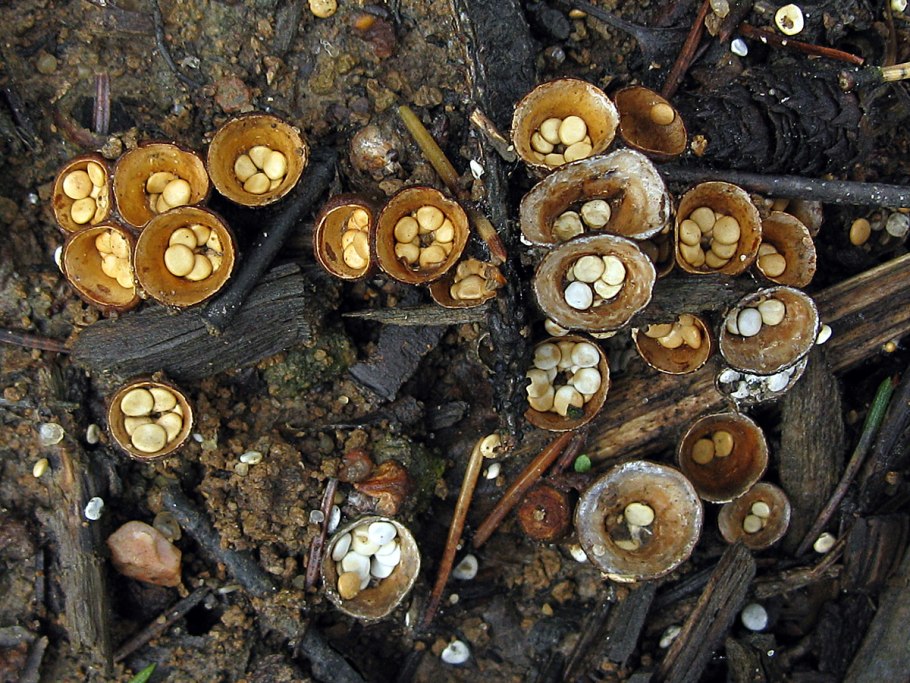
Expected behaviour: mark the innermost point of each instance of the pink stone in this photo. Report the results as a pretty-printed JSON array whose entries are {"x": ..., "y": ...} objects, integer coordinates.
[{"x": 141, "y": 552}]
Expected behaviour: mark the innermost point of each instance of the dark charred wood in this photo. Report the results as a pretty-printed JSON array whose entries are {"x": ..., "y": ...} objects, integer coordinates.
[
  {"x": 812, "y": 444},
  {"x": 707, "y": 625},
  {"x": 396, "y": 357},
  {"x": 583, "y": 655},
  {"x": 839, "y": 632},
  {"x": 161, "y": 623},
  {"x": 677, "y": 294},
  {"x": 875, "y": 546},
  {"x": 626, "y": 622}
]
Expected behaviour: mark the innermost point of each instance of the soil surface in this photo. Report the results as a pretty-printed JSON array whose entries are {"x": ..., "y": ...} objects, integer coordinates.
[{"x": 177, "y": 70}]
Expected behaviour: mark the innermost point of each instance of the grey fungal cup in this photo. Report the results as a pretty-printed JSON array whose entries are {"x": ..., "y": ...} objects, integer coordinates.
[{"x": 639, "y": 205}]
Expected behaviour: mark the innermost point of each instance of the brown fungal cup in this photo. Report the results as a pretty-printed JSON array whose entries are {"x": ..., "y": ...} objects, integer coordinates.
[
  {"x": 334, "y": 235},
  {"x": 136, "y": 168},
  {"x": 154, "y": 244},
  {"x": 671, "y": 357},
  {"x": 471, "y": 283},
  {"x": 649, "y": 123},
  {"x": 379, "y": 600},
  {"x": 84, "y": 267},
  {"x": 170, "y": 410},
  {"x": 82, "y": 193},
  {"x": 625, "y": 179},
  {"x": 792, "y": 241},
  {"x": 732, "y": 517},
  {"x": 550, "y": 283},
  {"x": 736, "y": 459},
  {"x": 560, "y": 99},
  {"x": 407, "y": 203},
  {"x": 627, "y": 552},
  {"x": 545, "y": 418},
  {"x": 727, "y": 200},
  {"x": 544, "y": 514},
  {"x": 237, "y": 138},
  {"x": 774, "y": 347}
]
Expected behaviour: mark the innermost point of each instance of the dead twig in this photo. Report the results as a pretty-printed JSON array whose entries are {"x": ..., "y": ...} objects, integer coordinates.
[
  {"x": 163, "y": 49},
  {"x": 772, "y": 38},
  {"x": 101, "y": 108},
  {"x": 316, "y": 547},
  {"x": 487, "y": 128},
  {"x": 31, "y": 672},
  {"x": 885, "y": 453},
  {"x": 687, "y": 53},
  {"x": 161, "y": 623},
  {"x": 32, "y": 341}
]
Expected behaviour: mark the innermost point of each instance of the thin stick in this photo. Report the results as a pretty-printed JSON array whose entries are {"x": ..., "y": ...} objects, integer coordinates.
[
  {"x": 487, "y": 128},
  {"x": 572, "y": 450},
  {"x": 441, "y": 164},
  {"x": 686, "y": 54},
  {"x": 870, "y": 429},
  {"x": 318, "y": 544},
  {"x": 31, "y": 673},
  {"x": 796, "y": 187},
  {"x": 455, "y": 531},
  {"x": 519, "y": 487},
  {"x": 772, "y": 38},
  {"x": 161, "y": 623},
  {"x": 32, "y": 341},
  {"x": 101, "y": 109}
]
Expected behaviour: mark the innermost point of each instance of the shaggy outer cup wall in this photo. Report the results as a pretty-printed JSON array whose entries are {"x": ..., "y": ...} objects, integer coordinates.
[
  {"x": 639, "y": 203},
  {"x": 725, "y": 478},
  {"x": 729, "y": 200},
  {"x": 440, "y": 291},
  {"x": 678, "y": 518},
  {"x": 639, "y": 131},
  {"x": 561, "y": 98},
  {"x": 679, "y": 361},
  {"x": 62, "y": 204},
  {"x": 794, "y": 243},
  {"x": 403, "y": 203},
  {"x": 157, "y": 280},
  {"x": 555, "y": 422},
  {"x": 775, "y": 347},
  {"x": 731, "y": 516},
  {"x": 550, "y": 281},
  {"x": 82, "y": 268},
  {"x": 134, "y": 168},
  {"x": 117, "y": 429},
  {"x": 330, "y": 226},
  {"x": 237, "y": 137},
  {"x": 374, "y": 602}
]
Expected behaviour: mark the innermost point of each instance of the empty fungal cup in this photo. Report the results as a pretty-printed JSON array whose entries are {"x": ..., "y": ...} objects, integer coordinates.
[
  {"x": 594, "y": 283},
  {"x": 649, "y": 123},
  {"x": 723, "y": 455},
  {"x": 369, "y": 566},
  {"x": 149, "y": 419},
  {"x": 156, "y": 177},
  {"x": 256, "y": 159},
  {"x": 343, "y": 235},
  {"x": 82, "y": 193},
  {"x": 98, "y": 263},
  {"x": 759, "y": 518},
  {"x": 620, "y": 193},
  {"x": 562, "y": 121},
  {"x": 184, "y": 256},
  {"x": 639, "y": 521}
]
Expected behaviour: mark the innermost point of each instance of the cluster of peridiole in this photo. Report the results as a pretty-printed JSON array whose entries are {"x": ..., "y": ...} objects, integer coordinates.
[
  {"x": 757, "y": 518},
  {"x": 370, "y": 552},
  {"x": 708, "y": 238},
  {"x": 633, "y": 529},
  {"x": 424, "y": 238},
  {"x": 114, "y": 251},
  {"x": 355, "y": 240},
  {"x": 560, "y": 140},
  {"x": 593, "y": 279},
  {"x": 593, "y": 214},
  {"x": 193, "y": 252},
  {"x": 166, "y": 191},
  {"x": 261, "y": 169},
  {"x": 719, "y": 444},
  {"x": 770, "y": 261},
  {"x": 565, "y": 376},
  {"x": 683, "y": 331},
  {"x": 747, "y": 321},
  {"x": 152, "y": 418},
  {"x": 470, "y": 280},
  {"x": 87, "y": 188}
]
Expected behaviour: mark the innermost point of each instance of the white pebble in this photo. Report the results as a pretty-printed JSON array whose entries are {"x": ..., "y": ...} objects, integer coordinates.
[
  {"x": 50, "y": 433},
  {"x": 341, "y": 547},
  {"x": 739, "y": 48},
  {"x": 578, "y": 553},
  {"x": 754, "y": 617},
  {"x": 492, "y": 471},
  {"x": 334, "y": 519},
  {"x": 58, "y": 257},
  {"x": 93, "y": 509},
  {"x": 579, "y": 296},
  {"x": 466, "y": 569},
  {"x": 456, "y": 652},
  {"x": 778, "y": 382},
  {"x": 381, "y": 533},
  {"x": 748, "y": 322},
  {"x": 476, "y": 169},
  {"x": 824, "y": 543},
  {"x": 251, "y": 457}
]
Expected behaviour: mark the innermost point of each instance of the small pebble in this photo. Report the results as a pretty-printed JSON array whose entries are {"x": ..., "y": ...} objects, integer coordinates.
[
  {"x": 824, "y": 334},
  {"x": 492, "y": 471},
  {"x": 93, "y": 509},
  {"x": 824, "y": 543},
  {"x": 754, "y": 617},
  {"x": 334, "y": 519},
  {"x": 50, "y": 434},
  {"x": 739, "y": 48},
  {"x": 40, "y": 468},
  {"x": 456, "y": 652},
  {"x": 251, "y": 457},
  {"x": 92, "y": 434},
  {"x": 466, "y": 569}
]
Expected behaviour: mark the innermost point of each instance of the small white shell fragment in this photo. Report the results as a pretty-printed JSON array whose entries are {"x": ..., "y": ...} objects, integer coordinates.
[
  {"x": 50, "y": 433},
  {"x": 476, "y": 169},
  {"x": 579, "y": 296},
  {"x": 789, "y": 19},
  {"x": 341, "y": 547},
  {"x": 577, "y": 553},
  {"x": 381, "y": 533},
  {"x": 334, "y": 519},
  {"x": 738, "y": 47},
  {"x": 456, "y": 652},
  {"x": 669, "y": 635},
  {"x": 378, "y": 570},
  {"x": 251, "y": 457},
  {"x": 391, "y": 559},
  {"x": 466, "y": 569},
  {"x": 355, "y": 562},
  {"x": 492, "y": 471},
  {"x": 824, "y": 543},
  {"x": 748, "y": 322},
  {"x": 824, "y": 334},
  {"x": 93, "y": 509},
  {"x": 754, "y": 617},
  {"x": 58, "y": 257}
]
